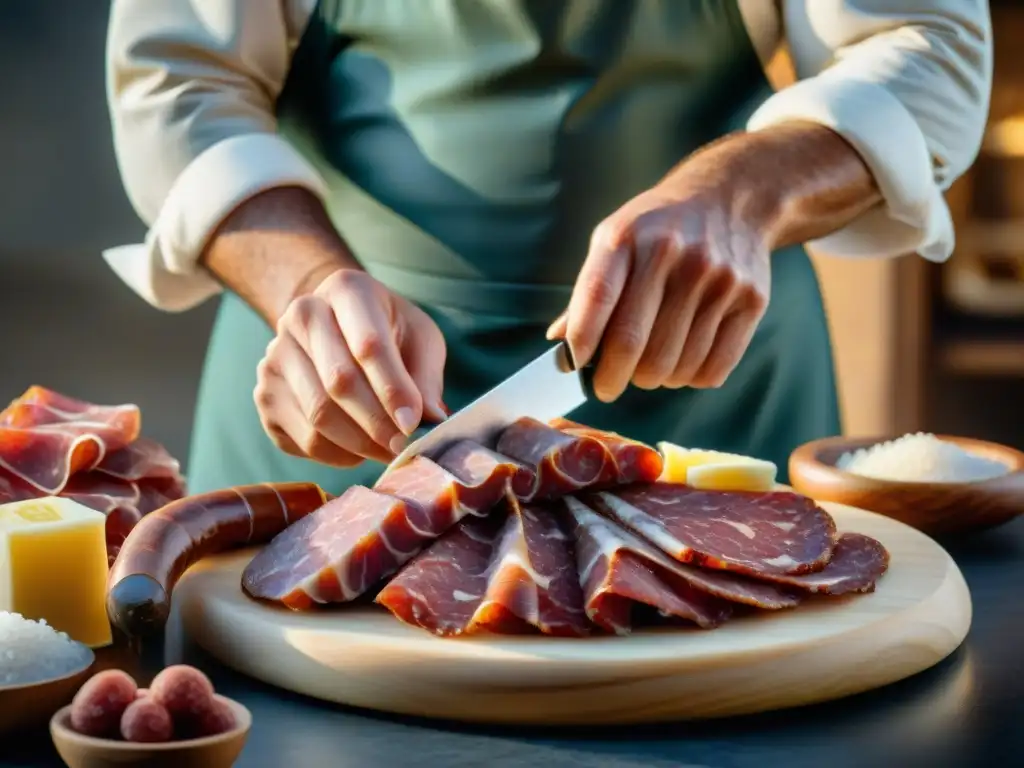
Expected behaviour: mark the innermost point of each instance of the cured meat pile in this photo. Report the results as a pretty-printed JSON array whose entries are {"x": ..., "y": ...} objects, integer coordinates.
[
  {"x": 54, "y": 445},
  {"x": 562, "y": 530}
]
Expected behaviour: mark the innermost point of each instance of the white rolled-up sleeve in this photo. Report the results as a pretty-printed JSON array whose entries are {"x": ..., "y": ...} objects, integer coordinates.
[
  {"x": 907, "y": 83},
  {"x": 191, "y": 87}
]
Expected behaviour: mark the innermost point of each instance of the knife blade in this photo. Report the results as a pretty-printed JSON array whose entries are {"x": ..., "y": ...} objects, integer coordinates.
[{"x": 544, "y": 389}]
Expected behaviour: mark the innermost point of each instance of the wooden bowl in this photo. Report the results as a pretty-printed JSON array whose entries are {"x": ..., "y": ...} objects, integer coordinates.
[
  {"x": 938, "y": 509},
  {"x": 220, "y": 751},
  {"x": 31, "y": 704}
]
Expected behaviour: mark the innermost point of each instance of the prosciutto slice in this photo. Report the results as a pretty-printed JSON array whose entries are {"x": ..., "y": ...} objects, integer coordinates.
[
  {"x": 562, "y": 463},
  {"x": 618, "y": 570},
  {"x": 46, "y": 437},
  {"x": 857, "y": 563},
  {"x": 345, "y": 547},
  {"x": 510, "y": 573},
  {"x": 627, "y": 461},
  {"x": 760, "y": 534}
]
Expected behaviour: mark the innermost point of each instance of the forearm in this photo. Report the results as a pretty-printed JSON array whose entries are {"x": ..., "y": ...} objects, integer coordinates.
[
  {"x": 275, "y": 247},
  {"x": 794, "y": 182}
]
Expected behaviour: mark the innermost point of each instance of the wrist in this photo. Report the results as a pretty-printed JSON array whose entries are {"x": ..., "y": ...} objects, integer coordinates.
[
  {"x": 787, "y": 184},
  {"x": 275, "y": 247}
]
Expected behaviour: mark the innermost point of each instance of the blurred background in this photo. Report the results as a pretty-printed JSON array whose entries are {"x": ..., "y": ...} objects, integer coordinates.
[{"x": 919, "y": 347}]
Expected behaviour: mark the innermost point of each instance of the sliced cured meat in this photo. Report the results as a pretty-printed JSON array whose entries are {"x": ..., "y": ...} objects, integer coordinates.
[
  {"x": 352, "y": 542},
  {"x": 46, "y": 437},
  {"x": 753, "y": 533},
  {"x": 618, "y": 569},
  {"x": 336, "y": 553},
  {"x": 857, "y": 563},
  {"x": 142, "y": 459},
  {"x": 474, "y": 466},
  {"x": 509, "y": 573},
  {"x": 628, "y": 461},
  {"x": 562, "y": 463}
]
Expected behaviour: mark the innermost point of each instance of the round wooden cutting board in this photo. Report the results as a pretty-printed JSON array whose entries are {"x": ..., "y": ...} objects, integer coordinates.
[{"x": 824, "y": 649}]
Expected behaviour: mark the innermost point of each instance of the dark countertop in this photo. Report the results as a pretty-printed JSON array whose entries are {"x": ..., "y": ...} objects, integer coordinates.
[{"x": 967, "y": 711}]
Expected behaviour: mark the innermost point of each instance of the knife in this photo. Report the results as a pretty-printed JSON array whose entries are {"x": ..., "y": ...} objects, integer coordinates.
[{"x": 549, "y": 387}]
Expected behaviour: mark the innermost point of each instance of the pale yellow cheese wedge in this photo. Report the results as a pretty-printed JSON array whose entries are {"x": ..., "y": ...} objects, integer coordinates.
[
  {"x": 53, "y": 566},
  {"x": 715, "y": 470}
]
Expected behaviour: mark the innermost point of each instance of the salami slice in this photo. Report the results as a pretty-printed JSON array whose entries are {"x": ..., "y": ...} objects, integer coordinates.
[
  {"x": 628, "y": 461},
  {"x": 857, "y": 563},
  {"x": 511, "y": 572},
  {"x": 753, "y": 533},
  {"x": 618, "y": 568},
  {"x": 561, "y": 463}
]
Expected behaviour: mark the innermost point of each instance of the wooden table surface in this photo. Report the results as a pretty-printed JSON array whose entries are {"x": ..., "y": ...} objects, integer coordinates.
[{"x": 968, "y": 711}]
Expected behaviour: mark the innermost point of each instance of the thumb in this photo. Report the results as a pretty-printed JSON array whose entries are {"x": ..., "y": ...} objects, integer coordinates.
[
  {"x": 425, "y": 352},
  {"x": 557, "y": 329}
]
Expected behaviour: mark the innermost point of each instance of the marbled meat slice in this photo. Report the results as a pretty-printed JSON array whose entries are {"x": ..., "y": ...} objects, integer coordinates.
[
  {"x": 628, "y": 461},
  {"x": 618, "y": 569},
  {"x": 348, "y": 545},
  {"x": 857, "y": 563},
  {"x": 509, "y": 573},
  {"x": 46, "y": 437},
  {"x": 747, "y": 532},
  {"x": 337, "y": 552},
  {"x": 473, "y": 465},
  {"x": 561, "y": 463}
]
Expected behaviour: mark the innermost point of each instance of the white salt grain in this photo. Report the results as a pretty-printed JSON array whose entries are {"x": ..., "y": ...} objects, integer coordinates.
[
  {"x": 33, "y": 651},
  {"x": 921, "y": 458}
]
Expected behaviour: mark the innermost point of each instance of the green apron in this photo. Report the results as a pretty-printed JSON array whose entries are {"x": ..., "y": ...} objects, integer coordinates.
[{"x": 470, "y": 147}]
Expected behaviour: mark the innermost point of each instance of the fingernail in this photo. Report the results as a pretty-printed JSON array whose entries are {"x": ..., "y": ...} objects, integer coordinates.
[
  {"x": 405, "y": 418},
  {"x": 397, "y": 444},
  {"x": 438, "y": 412}
]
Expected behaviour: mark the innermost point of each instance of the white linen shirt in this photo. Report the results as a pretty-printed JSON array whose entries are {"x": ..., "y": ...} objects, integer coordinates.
[{"x": 192, "y": 85}]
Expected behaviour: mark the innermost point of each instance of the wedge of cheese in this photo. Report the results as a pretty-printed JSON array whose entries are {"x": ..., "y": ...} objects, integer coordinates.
[
  {"x": 53, "y": 566},
  {"x": 714, "y": 470}
]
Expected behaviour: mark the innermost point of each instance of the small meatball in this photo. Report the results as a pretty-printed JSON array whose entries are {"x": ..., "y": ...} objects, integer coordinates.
[
  {"x": 217, "y": 718},
  {"x": 147, "y": 722},
  {"x": 99, "y": 704},
  {"x": 183, "y": 690}
]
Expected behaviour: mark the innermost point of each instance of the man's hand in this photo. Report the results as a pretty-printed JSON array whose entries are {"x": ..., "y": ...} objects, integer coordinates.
[
  {"x": 351, "y": 372},
  {"x": 677, "y": 280},
  {"x": 353, "y": 368}
]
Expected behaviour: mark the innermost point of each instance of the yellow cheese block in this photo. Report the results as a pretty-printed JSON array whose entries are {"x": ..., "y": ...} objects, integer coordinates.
[
  {"x": 716, "y": 471},
  {"x": 53, "y": 566}
]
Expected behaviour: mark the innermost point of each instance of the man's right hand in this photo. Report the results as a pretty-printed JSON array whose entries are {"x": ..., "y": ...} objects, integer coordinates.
[{"x": 350, "y": 374}]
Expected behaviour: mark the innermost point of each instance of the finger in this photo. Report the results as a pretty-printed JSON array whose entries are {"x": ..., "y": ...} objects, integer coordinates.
[
  {"x": 371, "y": 339},
  {"x": 345, "y": 381},
  {"x": 557, "y": 329},
  {"x": 716, "y": 301},
  {"x": 424, "y": 352},
  {"x": 731, "y": 342},
  {"x": 290, "y": 430},
  {"x": 596, "y": 294},
  {"x": 323, "y": 414},
  {"x": 629, "y": 330},
  {"x": 684, "y": 290}
]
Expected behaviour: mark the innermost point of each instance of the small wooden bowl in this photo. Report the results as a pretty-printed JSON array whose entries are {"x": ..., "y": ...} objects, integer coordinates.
[
  {"x": 31, "y": 704},
  {"x": 938, "y": 509},
  {"x": 220, "y": 751}
]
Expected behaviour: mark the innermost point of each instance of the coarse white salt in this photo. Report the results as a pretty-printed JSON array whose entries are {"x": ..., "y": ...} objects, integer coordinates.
[
  {"x": 33, "y": 651},
  {"x": 921, "y": 458}
]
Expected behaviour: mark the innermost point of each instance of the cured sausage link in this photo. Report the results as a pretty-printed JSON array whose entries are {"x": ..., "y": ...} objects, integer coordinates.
[{"x": 162, "y": 546}]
